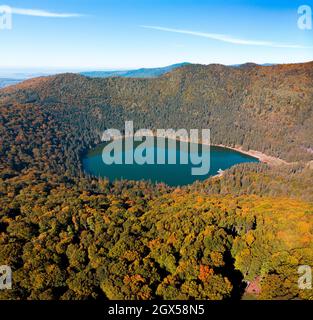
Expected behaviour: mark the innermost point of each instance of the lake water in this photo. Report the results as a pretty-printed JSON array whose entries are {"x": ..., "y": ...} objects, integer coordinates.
[{"x": 171, "y": 174}]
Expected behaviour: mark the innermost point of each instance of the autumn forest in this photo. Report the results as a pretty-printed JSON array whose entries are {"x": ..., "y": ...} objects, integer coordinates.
[{"x": 241, "y": 235}]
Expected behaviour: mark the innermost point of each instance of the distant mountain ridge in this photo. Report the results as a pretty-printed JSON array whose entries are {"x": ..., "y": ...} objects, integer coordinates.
[
  {"x": 10, "y": 78},
  {"x": 13, "y": 79},
  {"x": 137, "y": 73},
  {"x": 4, "y": 82}
]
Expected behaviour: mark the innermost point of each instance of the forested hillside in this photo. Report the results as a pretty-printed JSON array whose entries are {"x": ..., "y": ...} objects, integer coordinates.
[
  {"x": 70, "y": 236},
  {"x": 268, "y": 109}
]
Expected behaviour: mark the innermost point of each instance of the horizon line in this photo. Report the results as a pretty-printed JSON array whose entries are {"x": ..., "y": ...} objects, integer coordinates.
[{"x": 87, "y": 68}]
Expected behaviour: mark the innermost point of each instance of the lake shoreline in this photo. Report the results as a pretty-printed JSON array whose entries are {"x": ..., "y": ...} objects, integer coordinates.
[{"x": 262, "y": 157}]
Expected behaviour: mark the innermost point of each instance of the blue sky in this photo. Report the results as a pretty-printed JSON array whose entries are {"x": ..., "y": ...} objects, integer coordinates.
[{"x": 124, "y": 34}]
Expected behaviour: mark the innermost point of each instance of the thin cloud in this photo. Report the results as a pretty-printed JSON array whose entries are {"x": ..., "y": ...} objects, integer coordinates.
[
  {"x": 43, "y": 13},
  {"x": 228, "y": 39}
]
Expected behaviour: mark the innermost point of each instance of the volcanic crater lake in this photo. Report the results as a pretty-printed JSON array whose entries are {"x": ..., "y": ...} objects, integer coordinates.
[{"x": 172, "y": 174}]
